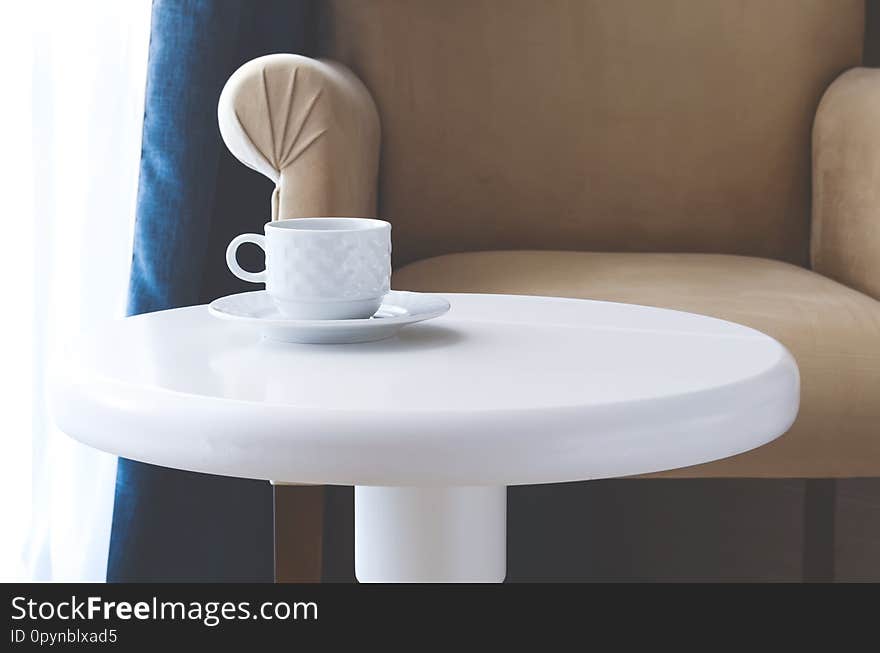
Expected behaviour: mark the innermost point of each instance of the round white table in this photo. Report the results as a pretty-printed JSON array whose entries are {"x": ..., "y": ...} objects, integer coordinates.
[{"x": 432, "y": 425}]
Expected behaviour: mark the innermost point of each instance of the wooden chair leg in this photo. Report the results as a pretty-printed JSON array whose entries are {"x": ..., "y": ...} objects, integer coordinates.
[{"x": 299, "y": 530}]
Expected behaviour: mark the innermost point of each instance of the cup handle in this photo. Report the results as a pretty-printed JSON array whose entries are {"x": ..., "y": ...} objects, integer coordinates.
[{"x": 257, "y": 239}]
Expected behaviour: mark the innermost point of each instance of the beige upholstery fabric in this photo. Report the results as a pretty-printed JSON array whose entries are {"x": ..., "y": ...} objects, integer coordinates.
[
  {"x": 311, "y": 127},
  {"x": 846, "y": 182},
  {"x": 624, "y": 125},
  {"x": 833, "y": 332}
]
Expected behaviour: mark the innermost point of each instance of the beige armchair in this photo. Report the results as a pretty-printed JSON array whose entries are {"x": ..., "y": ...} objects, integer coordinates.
[{"x": 649, "y": 152}]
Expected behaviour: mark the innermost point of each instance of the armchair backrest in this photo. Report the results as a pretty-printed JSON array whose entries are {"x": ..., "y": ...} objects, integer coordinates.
[{"x": 630, "y": 125}]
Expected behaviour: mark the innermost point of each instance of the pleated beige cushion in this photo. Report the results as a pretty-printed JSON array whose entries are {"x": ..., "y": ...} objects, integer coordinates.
[{"x": 308, "y": 125}]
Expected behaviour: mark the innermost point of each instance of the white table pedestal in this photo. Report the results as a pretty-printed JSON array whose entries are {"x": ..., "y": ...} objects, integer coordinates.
[{"x": 430, "y": 535}]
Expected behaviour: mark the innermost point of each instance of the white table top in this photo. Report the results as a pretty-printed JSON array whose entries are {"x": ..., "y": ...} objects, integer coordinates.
[{"x": 502, "y": 390}]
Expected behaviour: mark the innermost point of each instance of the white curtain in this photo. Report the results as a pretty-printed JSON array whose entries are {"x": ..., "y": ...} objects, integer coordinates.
[{"x": 76, "y": 72}]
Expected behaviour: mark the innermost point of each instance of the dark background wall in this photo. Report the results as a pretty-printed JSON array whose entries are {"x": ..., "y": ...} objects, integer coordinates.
[
  {"x": 872, "y": 33},
  {"x": 690, "y": 530},
  {"x": 699, "y": 530}
]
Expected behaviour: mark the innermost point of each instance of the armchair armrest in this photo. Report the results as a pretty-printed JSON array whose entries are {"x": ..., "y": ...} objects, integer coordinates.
[
  {"x": 845, "y": 242},
  {"x": 310, "y": 126}
]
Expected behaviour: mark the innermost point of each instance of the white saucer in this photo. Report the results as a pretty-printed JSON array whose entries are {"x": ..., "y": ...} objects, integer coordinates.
[{"x": 398, "y": 309}]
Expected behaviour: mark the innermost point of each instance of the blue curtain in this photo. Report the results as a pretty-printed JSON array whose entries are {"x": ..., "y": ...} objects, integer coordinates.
[{"x": 193, "y": 197}]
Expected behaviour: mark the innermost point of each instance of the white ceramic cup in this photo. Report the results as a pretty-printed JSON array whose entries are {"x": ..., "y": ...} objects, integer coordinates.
[{"x": 321, "y": 268}]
